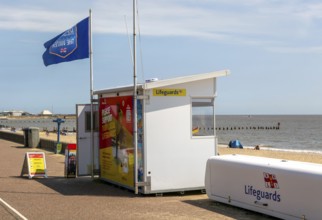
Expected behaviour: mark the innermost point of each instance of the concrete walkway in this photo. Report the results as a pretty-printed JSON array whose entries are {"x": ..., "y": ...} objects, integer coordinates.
[{"x": 57, "y": 197}]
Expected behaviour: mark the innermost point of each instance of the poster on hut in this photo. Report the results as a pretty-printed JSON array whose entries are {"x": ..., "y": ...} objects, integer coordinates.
[{"x": 116, "y": 140}]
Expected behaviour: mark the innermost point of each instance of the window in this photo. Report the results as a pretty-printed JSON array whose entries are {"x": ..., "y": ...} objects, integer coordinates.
[
  {"x": 88, "y": 121},
  {"x": 202, "y": 110}
]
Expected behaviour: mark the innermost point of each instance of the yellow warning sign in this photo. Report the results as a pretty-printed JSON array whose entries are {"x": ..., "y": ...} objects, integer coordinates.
[
  {"x": 34, "y": 164},
  {"x": 169, "y": 92}
]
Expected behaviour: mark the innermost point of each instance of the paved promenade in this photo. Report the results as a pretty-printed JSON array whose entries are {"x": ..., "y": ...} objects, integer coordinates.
[{"x": 57, "y": 197}]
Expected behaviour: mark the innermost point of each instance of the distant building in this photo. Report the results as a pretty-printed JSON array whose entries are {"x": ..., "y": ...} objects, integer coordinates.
[
  {"x": 26, "y": 114},
  {"x": 45, "y": 112},
  {"x": 12, "y": 113}
]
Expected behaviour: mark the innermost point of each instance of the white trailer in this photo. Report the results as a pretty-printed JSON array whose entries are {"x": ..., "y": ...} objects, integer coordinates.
[
  {"x": 176, "y": 133},
  {"x": 280, "y": 188}
]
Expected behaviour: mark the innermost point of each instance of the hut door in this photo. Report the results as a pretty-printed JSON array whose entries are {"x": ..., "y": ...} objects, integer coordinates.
[{"x": 84, "y": 151}]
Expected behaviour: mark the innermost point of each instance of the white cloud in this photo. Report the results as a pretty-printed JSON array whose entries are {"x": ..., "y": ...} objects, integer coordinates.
[
  {"x": 272, "y": 24},
  {"x": 33, "y": 19}
]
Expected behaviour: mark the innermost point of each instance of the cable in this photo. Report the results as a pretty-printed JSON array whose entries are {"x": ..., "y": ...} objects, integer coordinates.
[
  {"x": 139, "y": 29},
  {"x": 128, "y": 36}
]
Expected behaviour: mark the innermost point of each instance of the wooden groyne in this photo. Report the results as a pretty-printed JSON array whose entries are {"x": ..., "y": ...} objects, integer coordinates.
[
  {"x": 248, "y": 128},
  {"x": 236, "y": 128}
]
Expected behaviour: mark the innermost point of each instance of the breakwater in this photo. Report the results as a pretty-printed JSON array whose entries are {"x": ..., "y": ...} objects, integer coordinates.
[{"x": 258, "y": 127}]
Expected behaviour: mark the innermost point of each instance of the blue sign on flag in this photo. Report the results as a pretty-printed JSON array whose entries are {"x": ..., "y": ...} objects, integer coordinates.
[
  {"x": 65, "y": 44},
  {"x": 73, "y": 44}
]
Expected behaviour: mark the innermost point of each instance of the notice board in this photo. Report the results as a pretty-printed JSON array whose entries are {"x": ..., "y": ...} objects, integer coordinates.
[{"x": 34, "y": 165}]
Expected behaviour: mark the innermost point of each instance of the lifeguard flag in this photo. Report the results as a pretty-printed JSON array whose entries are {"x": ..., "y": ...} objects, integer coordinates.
[{"x": 68, "y": 46}]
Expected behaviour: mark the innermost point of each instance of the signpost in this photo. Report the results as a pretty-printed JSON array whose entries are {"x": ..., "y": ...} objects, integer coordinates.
[{"x": 58, "y": 145}]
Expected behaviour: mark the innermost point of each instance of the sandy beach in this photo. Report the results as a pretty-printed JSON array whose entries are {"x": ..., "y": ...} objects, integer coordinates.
[
  {"x": 69, "y": 138},
  {"x": 285, "y": 155},
  {"x": 222, "y": 149}
]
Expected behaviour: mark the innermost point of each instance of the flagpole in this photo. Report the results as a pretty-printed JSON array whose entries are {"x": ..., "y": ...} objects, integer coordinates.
[
  {"x": 91, "y": 90},
  {"x": 135, "y": 102}
]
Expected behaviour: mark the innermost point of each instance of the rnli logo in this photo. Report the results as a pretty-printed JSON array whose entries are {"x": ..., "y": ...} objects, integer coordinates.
[
  {"x": 66, "y": 44},
  {"x": 270, "y": 181}
]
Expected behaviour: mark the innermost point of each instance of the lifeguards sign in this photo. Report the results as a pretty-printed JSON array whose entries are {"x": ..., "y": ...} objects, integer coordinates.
[
  {"x": 34, "y": 165},
  {"x": 169, "y": 92}
]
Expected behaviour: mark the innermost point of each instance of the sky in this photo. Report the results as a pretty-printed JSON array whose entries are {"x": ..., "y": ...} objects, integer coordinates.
[{"x": 273, "y": 50}]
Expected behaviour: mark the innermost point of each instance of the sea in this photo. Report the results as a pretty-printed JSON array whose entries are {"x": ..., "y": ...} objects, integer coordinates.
[
  {"x": 299, "y": 133},
  {"x": 42, "y": 123}
]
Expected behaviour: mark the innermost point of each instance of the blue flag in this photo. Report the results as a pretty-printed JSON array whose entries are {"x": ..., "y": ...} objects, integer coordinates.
[{"x": 73, "y": 44}]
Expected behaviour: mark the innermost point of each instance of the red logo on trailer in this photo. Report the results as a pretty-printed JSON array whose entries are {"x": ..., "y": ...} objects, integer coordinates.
[{"x": 270, "y": 181}]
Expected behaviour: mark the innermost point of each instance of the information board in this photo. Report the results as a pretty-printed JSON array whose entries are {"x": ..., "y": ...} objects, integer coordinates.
[{"x": 34, "y": 164}]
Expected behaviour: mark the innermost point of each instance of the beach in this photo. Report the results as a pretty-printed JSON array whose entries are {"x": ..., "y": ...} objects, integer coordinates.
[
  {"x": 223, "y": 149},
  {"x": 312, "y": 157},
  {"x": 68, "y": 138},
  {"x": 271, "y": 153}
]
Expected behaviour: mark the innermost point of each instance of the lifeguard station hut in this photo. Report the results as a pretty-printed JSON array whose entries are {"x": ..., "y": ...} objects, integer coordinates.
[{"x": 175, "y": 133}]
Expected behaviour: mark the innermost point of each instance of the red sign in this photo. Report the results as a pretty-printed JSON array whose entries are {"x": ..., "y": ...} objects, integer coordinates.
[
  {"x": 270, "y": 181},
  {"x": 71, "y": 146},
  {"x": 116, "y": 139}
]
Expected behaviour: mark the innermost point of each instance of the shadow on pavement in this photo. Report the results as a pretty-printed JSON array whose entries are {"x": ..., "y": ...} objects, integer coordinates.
[
  {"x": 84, "y": 186},
  {"x": 20, "y": 147}
]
